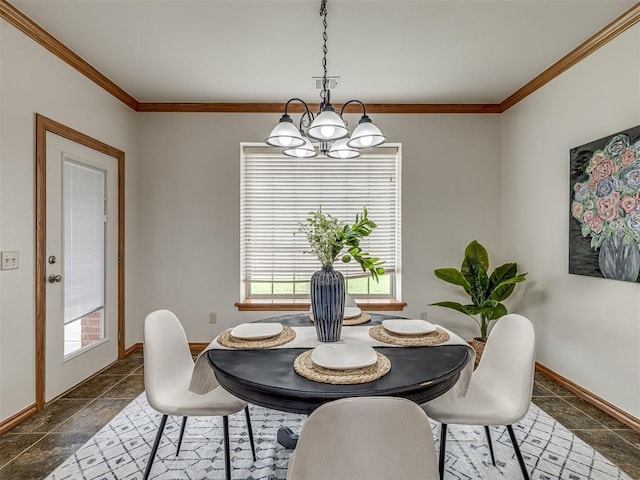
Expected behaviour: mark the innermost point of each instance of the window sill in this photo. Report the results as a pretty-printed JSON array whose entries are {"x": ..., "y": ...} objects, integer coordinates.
[{"x": 288, "y": 304}]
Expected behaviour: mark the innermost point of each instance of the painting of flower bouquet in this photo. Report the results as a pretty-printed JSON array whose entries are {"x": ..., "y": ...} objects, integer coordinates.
[{"x": 604, "y": 226}]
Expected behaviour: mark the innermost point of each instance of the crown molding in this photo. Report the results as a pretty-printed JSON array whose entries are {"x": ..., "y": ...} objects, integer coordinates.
[
  {"x": 296, "y": 108},
  {"x": 30, "y": 28},
  {"x": 23, "y": 23},
  {"x": 593, "y": 43}
]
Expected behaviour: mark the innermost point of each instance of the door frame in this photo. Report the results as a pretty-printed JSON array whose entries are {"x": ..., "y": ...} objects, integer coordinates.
[{"x": 44, "y": 125}]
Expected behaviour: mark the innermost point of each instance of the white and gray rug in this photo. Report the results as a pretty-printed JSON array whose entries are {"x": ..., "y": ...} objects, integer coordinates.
[{"x": 121, "y": 449}]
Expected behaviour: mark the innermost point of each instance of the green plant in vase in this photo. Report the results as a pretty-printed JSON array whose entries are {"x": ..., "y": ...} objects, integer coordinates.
[
  {"x": 328, "y": 237},
  {"x": 487, "y": 292}
]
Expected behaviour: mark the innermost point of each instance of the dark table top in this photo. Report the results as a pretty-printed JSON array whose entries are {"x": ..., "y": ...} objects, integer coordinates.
[{"x": 267, "y": 377}]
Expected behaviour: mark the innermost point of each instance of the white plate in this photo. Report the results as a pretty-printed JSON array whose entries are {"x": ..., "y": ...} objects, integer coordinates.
[
  {"x": 408, "y": 327},
  {"x": 342, "y": 357},
  {"x": 256, "y": 331},
  {"x": 351, "y": 312}
]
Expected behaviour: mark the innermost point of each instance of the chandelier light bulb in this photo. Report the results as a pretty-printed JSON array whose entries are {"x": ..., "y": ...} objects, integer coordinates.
[
  {"x": 366, "y": 135},
  {"x": 285, "y": 134},
  {"x": 328, "y": 125},
  {"x": 303, "y": 151},
  {"x": 342, "y": 151},
  {"x": 366, "y": 141},
  {"x": 327, "y": 131}
]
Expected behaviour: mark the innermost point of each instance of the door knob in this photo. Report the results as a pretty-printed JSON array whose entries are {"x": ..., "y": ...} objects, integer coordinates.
[{"x": 55, "y": 278}]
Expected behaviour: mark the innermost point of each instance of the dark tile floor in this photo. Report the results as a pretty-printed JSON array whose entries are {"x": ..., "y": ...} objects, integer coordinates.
[{"x": 36, "y": 447}]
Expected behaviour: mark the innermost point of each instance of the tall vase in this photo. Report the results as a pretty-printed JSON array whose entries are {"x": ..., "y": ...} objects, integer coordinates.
[
  {"x": 618, "y": 260},
  {"x": 327, "y": 303}
]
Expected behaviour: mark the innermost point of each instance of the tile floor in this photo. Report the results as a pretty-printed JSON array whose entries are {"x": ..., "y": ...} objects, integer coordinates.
[{"x": 34, "y": 448}]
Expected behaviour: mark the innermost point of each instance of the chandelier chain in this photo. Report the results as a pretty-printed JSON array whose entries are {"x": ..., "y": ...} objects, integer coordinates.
[{"x": 325, "y": 82}]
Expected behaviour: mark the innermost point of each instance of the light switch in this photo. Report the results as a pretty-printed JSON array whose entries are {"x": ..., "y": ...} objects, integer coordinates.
[{"x": 10, "y": 260}]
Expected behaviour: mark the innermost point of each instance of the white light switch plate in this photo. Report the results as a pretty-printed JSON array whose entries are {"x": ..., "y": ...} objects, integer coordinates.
[{"x": 10, "y": 260}]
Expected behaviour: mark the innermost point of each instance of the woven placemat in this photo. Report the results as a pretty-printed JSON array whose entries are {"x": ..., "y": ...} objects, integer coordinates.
[
  {"x": 227, "y": 340},
  {"x": 350, "y": 322},
  {"x": 304, "y": 366},
  {"x": 434, "y": 338}
]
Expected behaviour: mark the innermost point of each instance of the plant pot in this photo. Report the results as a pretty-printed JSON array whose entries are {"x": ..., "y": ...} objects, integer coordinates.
[
  {"x": 327, "y": 303},
  {"x": 478, "y": 345},
  {"x": 619, "y": 261}
]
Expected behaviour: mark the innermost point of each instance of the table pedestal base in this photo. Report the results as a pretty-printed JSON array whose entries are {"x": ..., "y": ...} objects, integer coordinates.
[{"x": 287, "y": 438}]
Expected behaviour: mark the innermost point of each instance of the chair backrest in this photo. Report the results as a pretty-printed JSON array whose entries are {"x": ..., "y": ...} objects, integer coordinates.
[
  {"x": 168, "y": 363},
  {"x": 507, "y": 363},
  {"x": 365, "y": 437},
  {"x": 349, "y": 301}
]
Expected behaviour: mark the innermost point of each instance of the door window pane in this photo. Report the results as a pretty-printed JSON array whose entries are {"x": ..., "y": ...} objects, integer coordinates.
[{"x": 84, "y": 254}]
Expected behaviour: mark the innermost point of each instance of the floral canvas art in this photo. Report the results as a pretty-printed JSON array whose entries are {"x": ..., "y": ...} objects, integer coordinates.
[{"x": 604, "y": 224}]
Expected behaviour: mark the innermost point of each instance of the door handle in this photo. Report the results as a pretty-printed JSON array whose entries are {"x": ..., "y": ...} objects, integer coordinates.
[{"x": 55, "y": 278}]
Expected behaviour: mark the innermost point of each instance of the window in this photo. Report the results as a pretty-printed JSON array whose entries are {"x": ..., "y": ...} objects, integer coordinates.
[{"x": 277, "y": 192}]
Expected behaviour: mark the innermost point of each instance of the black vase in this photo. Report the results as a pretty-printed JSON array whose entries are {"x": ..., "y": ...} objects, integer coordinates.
[{"x": 327, "y": 303}]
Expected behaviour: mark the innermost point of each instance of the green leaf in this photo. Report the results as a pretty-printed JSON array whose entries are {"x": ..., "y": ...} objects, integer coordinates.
[
  {"x": 453, "y": 305},
  {"x": 478, "y": 253},
  {"x": 505, "y": 288},
  {"x": 498, "y": 311},
  {"x": 503, "y": 272},
  {"x": 472, "y": 309},
  {"x": 451, "y": 275},
  {"x": 480, "y": 286},
  {"x": 489, "y": 303}
]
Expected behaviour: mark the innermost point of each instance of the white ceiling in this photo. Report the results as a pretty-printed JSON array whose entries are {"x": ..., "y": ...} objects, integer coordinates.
[{"x": 385, "y": 51}]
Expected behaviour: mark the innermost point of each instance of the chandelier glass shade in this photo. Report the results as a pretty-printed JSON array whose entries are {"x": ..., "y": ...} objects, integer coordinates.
[{"x": 327, "y": 126}]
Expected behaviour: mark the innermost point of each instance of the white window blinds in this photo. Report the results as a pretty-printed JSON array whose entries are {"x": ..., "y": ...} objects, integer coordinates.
[
  {"x": 84, "y": 231},
  {"x": 277, "y": 192}
]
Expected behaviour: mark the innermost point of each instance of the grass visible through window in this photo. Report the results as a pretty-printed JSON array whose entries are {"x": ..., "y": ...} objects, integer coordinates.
[{"x": 362, "y": 287}]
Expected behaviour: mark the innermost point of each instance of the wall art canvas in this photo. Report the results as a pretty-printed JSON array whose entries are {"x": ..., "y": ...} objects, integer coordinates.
[{"x": 604, "y": 221}]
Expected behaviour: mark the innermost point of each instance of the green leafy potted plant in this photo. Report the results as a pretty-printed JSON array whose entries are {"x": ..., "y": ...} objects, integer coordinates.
[
  {"x": 328, "y": 237},
  {"x": 487, "y": 292}
]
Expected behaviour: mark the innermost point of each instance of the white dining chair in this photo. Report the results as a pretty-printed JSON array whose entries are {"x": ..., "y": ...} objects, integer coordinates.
[
  {"x": 168, "y": 365},
  {"x": 349, "y": 301},
  {"x": 500, "y": 388},
  {"x": 365, "y": 437}
]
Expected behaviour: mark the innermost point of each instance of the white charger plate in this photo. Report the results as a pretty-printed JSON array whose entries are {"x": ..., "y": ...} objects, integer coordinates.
[
  {"x": 408, "y": 327},
  {"x": 351, "y": 312},
  {"x": 256, "y": 331},
  {"x": 343, "y": 357}
]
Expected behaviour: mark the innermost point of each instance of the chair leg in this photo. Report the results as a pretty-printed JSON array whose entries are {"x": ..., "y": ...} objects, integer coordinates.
[
  {"x": 486, "y": 431},
  {"x": 523, "y": 467},
  {"x": 184, "y": 424},
  {"x": 443, "y": 443},
  {"x": 227, "y": 453},
  {"x": 253, "y": 447},
  {"x": 154, "y": 449}
]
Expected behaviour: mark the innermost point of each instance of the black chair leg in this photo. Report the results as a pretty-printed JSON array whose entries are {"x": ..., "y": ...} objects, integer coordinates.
[
  {"x": 184, "y": 424},
  {"x": 523, "y": 467},
  {"x": 154, "y": 449},
  {"x": 486, "y": 431},
  {"x": 253, "y": 447},
  {"x": 443, "y": 443},
  {"x": 227, "y": 453}
]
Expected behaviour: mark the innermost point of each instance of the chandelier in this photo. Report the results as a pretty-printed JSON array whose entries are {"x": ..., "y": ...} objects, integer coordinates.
[{"x": 327, "y": 126}]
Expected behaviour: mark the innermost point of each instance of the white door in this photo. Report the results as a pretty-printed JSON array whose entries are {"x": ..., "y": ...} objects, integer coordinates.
[{"x": 82, "y": 263}]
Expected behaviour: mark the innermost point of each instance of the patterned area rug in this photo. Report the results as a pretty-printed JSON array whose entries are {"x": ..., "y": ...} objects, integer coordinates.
[{"x": 121, "y": 449}]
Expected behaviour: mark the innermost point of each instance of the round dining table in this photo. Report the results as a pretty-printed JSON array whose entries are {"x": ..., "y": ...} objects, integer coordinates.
[{"x": 267, "y": 377}]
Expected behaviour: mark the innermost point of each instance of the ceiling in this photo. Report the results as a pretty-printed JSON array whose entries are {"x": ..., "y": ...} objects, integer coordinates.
[{"x": 384, "y": 51}]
